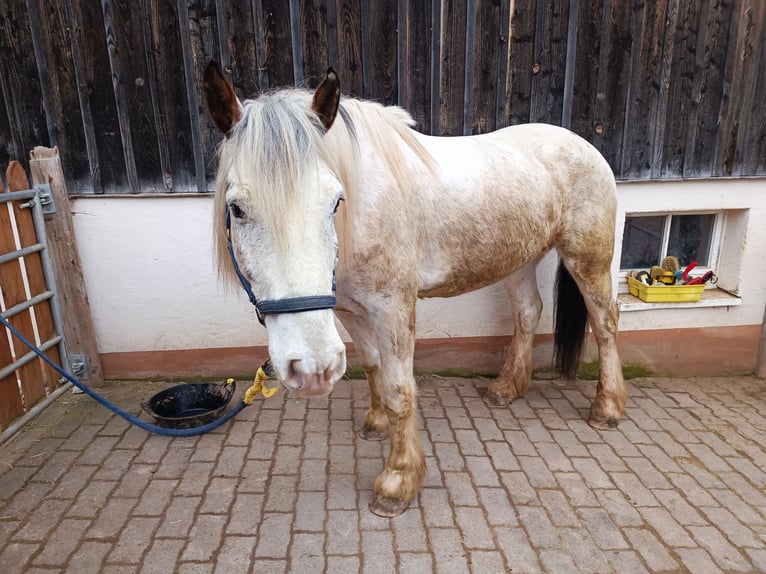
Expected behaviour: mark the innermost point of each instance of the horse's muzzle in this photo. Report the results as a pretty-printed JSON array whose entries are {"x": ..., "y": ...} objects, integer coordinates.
[{"x": 308, "y": 382}]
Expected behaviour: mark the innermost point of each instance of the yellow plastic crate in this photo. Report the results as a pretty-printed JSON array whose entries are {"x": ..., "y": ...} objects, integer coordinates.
[{"x": 665, "y": 293}]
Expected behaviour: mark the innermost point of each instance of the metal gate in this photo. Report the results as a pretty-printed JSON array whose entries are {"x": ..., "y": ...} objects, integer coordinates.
[{"x": 28, "y": 300}]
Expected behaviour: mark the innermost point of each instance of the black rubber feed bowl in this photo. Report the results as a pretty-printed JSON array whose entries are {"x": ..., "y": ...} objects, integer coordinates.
[{"x": 189, "y": 405}]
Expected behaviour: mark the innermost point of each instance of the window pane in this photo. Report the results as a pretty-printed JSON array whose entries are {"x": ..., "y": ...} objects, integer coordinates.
[
  {"x": 641, "y": 242},
  {"x": 690, "y": 238}
]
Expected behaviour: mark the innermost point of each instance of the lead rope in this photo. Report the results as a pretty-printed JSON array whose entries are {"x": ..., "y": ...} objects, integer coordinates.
[{"x": 258, "y": 386}]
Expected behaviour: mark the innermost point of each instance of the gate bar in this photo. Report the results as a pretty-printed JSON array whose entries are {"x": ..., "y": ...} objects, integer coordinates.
[
  {"x": 19, "y": 253},
  {"x": 18, "y": 363},
  {"x": 16, "y": 309},
  {"x": 17, "y": 195}
]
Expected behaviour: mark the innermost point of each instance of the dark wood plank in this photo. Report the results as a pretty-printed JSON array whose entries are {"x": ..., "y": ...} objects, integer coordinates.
[
  {"x": 80, "y": 336},
  {"x": 24, "y": 123},
  {"x": 713, "y": 41},
  {"x": 679, "y": 93},
  {"x": 740, "y": 97},
  {"x": 242, "y": 65},
  {"x": 643, "y": 97},
  {"x": 349, "y": 32},
  {"x": 59, "y": 88},
  {"x": 611, "y": 94},
  {"x": 549, "y": 68},
  {"x": 451, "y": 52},
  {"x": 749, "y": 85},
  {"x": 106, "y": 152},
  {"x": 414, "y": 68},
  {"x": 201, "y": 18},
  {"x": 587, "y": 21},
  {"x": 521, "y": 56},
  {"x": 279, "y": 52},
  {"x": 43, "y": 319},
  {"x": 314, "y": 41},
  {"x": 383, "y": 51},
  {"x": 486, "y": 67}
]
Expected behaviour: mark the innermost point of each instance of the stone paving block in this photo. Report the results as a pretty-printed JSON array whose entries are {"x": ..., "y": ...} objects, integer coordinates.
[
  {"x": 538, "y": 526},
  {"x": 162, "y": 556},
  {"x": 558, "y": 507},
  {"x": 575, "y": 489},
  {"x": 481, "y": 471},
  {"x": 605, "y": 456},
  {"x": 653, "y": 552},
  {"x": 98, "y": 450},
  {"x": 554, "y": 457},
  {"x": 178, "y": 517},
  {"x": 73, "y": 481},
  {"x": 581, "y": 545},
  {"x": 698, "y": 560},
  {"x": 342, "y": 532},
  {"x": 345, "y": 564},
  {"x": 310, "y": 512},
  {"x": 592, "y": 473},
  {"x": 629, "y": 483},
  {"x": 195, "y": 480},
  {"x": 519, "y": 555},
  {"x": 517, "y": 485},
  {"x": 307, "y": 552},
  {"x": 18, "y": 553},
  {"x": 488, "y": 430},
  {"x": 58, "y": 546},
  {"x": 449, "y": 555},
  {"x": 88, "y": 557},
  {"x": 274, "y": 536},
  {"x": 449, "y": 457},
  {"x": 281, "y": 494},
  {"x": 461, "y": 490},
  {"x": 42, "y": 520},
  {"x": 619, "y": 507},
  {"x": 219, "y": 495},
  {"x": 606, "y": 534},
  {"x": 723, "y": 552},
  {"x": 14, "y": 479},
  {"x": 556, "y": 561},
  {"x": 205, "y": 537},
  {"x": 668, "y": 529},
  {"x": 436, "y": 508},
  {"x": 520, "y": 443},
  {"x": 155, "y": 498},
  {"x": 230, "y": 461},
  {"x": 626, "y": 561},
  {"x": 378, "y": 552},
  {"x": 409, "y": 532},
  {"x": 501, "y": 456},
  {"x": 133, "y": 541},
  {"x": 474, "y": 528}
]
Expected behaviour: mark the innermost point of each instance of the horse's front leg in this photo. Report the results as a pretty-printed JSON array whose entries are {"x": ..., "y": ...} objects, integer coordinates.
[
  {"x": 405, "y": 467},
  {"x": 375, "y": 427}
]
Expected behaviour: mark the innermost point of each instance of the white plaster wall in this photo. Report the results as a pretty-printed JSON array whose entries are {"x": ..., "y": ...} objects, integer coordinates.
[{"x": 151, "y": 282}]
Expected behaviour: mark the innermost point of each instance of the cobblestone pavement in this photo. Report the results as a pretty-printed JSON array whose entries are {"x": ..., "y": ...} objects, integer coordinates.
[{"x": 680, "y": 486}]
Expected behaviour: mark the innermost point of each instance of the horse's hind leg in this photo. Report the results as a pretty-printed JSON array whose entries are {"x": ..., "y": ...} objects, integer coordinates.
[
  {"x": 375, "y": 426},
  {"x": 526, "y": 306},
  {"x": 595, "y": 284}
]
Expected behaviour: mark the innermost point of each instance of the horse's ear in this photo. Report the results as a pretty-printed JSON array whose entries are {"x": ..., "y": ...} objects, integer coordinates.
[
  {"x": 327, "y": 98},
  {"x": 222, "y": 103}
]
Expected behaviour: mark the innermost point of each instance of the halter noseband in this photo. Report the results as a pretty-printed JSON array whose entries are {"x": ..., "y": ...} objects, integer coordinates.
[{"x": 277, "y": 306}]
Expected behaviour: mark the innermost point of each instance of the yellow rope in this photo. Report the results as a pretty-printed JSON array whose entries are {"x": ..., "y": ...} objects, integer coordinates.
[{"x": 258, "y": 386}]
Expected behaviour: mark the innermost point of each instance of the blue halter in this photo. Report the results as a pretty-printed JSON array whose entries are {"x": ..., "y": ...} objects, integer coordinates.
[{"x": 277, "y": 306}]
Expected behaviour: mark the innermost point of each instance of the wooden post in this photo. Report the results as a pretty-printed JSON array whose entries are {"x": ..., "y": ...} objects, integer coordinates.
[{"x": 79, "y": 334}]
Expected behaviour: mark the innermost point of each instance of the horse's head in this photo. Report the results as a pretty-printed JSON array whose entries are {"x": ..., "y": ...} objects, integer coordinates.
[{"x": 276, "y": 198}]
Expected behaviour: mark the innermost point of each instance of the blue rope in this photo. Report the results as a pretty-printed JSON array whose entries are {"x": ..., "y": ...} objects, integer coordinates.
[{"x": 117, "y": 410}]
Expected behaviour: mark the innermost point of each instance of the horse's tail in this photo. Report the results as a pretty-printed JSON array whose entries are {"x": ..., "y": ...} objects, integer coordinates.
[{"x": 571, "y": 320}]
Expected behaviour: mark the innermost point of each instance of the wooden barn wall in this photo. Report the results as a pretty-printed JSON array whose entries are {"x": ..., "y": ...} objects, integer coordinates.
[{"x": 665, "y": 89}]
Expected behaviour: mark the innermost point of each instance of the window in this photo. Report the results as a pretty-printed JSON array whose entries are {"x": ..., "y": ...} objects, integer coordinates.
[{"x": 648, "y": 239}]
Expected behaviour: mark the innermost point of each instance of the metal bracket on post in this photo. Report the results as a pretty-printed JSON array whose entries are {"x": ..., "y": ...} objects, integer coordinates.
[{"x": 46, "y": 198}]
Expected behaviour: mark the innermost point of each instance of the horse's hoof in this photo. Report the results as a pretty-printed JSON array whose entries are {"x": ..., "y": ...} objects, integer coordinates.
[
  {"x": 492, "y": 399},
  {"x": 603, "y": 424},
  {"x": 372, "y": 435},
  {"x": 388, "y": 507}
]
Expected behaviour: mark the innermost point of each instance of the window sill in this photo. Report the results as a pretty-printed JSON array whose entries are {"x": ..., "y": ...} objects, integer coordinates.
[{"x": 710, "y": 298}]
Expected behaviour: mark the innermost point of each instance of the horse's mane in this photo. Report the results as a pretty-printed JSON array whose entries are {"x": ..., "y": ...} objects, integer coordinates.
[{"x": 278, "y": 137}]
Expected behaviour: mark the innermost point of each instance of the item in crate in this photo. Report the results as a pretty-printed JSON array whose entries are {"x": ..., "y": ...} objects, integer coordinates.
[
  {"x": 683, "y": 276},
  {"x": 670, "y": 263},
  {"x": 660, "y": 275},
  {"x": 661, "y": 293},
  {"x": 642, "y": 276},
  {"x": 702, "y": 279}
]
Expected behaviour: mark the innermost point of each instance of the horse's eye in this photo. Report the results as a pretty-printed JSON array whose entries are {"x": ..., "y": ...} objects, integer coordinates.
[
  {"x": 337, "y": 205},
  {"x": 236, "y": 211}
]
